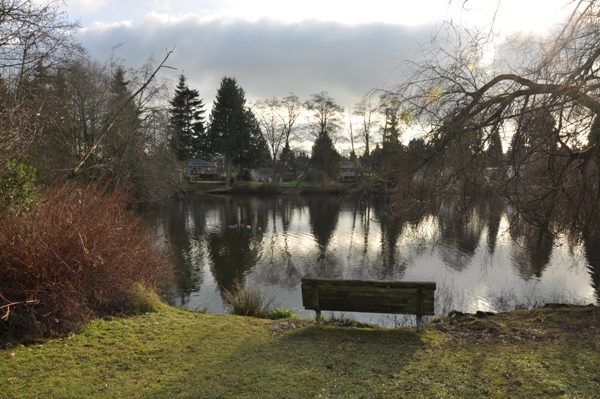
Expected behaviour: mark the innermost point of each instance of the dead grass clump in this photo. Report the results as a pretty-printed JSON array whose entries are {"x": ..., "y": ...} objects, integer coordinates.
[
  {"x": 553, "y": 322},
  {"x": 82, "y": 254},
  {"x": 247, "y": 301}
]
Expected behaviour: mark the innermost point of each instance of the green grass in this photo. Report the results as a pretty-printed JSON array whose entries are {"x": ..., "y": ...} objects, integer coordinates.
[
  {"x": 281, "y": 313},
  {"x": 178, "y": 354}
]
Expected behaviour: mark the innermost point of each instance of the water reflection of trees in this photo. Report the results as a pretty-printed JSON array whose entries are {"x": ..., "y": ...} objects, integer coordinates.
[
  {"x": 235, "y": 245},
  {"x": 184, "y": 223},
  {"x": 276, "y": 264},
  {"x": 531, "y": 252},
  {"x": 460, "y": 233},
  {"x": 592, "y": 254},
  {"x": 361, "y": 226},
  {"x": 491, "y": 215},
  {"x": 388, "y": 265},
  {"x": 352, "y": 240},
  {"x": 323, "y": 218}
]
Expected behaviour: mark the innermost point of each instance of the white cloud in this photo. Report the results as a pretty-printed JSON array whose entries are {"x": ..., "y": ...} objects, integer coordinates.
[
  {"x": 274, "y": 47},
  {"x": 268, "y": 58},
  {"x": 86, "y": 6}
]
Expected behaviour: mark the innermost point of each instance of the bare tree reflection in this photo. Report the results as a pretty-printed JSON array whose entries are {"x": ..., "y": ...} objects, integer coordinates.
[
  {"x": 460, "y": 234},
  {"x": 184, "y": 224},
  {"x": 277, "y": 266},
  {"x": 391, "y": 228},
  {"x": 492, "y": 213}
]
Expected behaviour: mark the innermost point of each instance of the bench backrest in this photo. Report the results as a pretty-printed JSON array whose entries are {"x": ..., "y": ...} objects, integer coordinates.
[{"x": 416, "y": 298}]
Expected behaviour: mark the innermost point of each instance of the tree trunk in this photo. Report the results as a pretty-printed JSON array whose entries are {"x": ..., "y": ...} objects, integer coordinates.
[{"x": 228, "y": 170}]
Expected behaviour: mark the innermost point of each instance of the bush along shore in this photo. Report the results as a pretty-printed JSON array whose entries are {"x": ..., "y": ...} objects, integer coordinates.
[
  {"x": 81, "y": 254},
  {"x": 552, "y": 351}
]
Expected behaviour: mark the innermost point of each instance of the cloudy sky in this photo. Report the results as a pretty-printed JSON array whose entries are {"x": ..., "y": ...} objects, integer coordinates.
[{"x": 274, "y": 47}]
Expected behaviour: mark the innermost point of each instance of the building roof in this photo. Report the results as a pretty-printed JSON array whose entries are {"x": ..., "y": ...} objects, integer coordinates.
[{"x": 199, "y": 162}]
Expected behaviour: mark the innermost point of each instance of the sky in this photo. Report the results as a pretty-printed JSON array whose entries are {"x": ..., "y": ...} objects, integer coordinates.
[{"x": 275, "y": 47}]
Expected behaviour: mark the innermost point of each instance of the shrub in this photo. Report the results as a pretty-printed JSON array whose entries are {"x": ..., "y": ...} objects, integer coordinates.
[
  {"x": 17, "y": 188},
  {"x": 247, "y": 301},
  {"x": 81, "y": 254}
]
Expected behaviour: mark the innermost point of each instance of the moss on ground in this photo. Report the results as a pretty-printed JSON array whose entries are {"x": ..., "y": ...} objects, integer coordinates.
[{"x": 547, "y": 352}]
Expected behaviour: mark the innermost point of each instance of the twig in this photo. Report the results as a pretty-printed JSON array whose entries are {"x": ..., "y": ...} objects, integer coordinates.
[
  {"x": 55, "y": 254},
  {"x": 8, "y": 305}
]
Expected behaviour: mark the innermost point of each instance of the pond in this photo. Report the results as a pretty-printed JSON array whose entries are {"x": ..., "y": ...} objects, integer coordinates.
[{"x": 270, "y": 243}]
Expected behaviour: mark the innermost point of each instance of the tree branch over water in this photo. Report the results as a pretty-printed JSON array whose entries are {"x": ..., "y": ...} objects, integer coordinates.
[{"x": 523, "y": 125}]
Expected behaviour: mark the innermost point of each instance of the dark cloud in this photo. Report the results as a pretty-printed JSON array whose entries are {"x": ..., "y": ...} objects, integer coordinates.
[{"x": 267, "y": 58}]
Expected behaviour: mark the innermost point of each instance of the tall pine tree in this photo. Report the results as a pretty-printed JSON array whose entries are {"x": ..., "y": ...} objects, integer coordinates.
[
  {"x": 234, "y": 131},
  {"x": 325, "y": 159},
  {"x": 188, "y": 138}
]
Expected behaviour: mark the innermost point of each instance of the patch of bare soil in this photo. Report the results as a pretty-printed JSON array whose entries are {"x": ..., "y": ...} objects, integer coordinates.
[{"x": 283, "y": 326}]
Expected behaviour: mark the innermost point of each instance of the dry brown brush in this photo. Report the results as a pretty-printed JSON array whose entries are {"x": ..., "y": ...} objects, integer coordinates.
[{"x": 81, "y": 254}]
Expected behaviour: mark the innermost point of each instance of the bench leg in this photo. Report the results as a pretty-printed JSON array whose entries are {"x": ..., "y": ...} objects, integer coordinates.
[
  {"x": 418, "y": 322},
  {"x": 318, "y": 319}
]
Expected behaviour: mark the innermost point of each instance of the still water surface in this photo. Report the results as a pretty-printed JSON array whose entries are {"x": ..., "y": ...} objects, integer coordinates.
[{"x": 272, "y": 242}]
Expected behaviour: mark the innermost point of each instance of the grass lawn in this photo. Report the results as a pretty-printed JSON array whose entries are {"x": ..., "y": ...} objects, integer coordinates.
[{"x": 547, "y": 352}]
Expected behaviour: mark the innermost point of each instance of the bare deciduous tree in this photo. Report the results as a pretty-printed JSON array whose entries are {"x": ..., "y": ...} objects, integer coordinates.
[
  {"x": 278, "y": 118},
  {"x": 540, "y": 97},
  {"x": 34, "y": 35},
  {"x": 366, "y": 111},
  {"x": 325, "y": 116}
]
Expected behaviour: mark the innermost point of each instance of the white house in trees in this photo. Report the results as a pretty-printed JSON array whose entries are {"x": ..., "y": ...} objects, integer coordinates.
[{"x": 199, "y": 169}]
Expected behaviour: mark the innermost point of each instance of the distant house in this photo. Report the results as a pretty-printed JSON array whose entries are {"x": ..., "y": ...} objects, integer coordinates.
[
  {"x": 349, "y": 171},
  {"x": 261, "y": 174},
  {"x": 199, "y": 169}
]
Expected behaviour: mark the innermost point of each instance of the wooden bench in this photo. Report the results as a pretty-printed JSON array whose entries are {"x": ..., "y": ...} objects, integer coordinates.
[{"x": 415, "y": 298}]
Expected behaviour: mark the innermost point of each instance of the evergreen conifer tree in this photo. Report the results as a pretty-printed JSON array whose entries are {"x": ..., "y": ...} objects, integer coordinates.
[
  {"x": 234, "y": 131},
  {"x": 324, "y": 158},
  {"x": 188, "y": 138}
]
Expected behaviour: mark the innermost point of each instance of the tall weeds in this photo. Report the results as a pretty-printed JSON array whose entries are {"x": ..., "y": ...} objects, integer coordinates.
[
  {"x": 82, "y": 254},
  {"x": 248, "y": 301}
]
